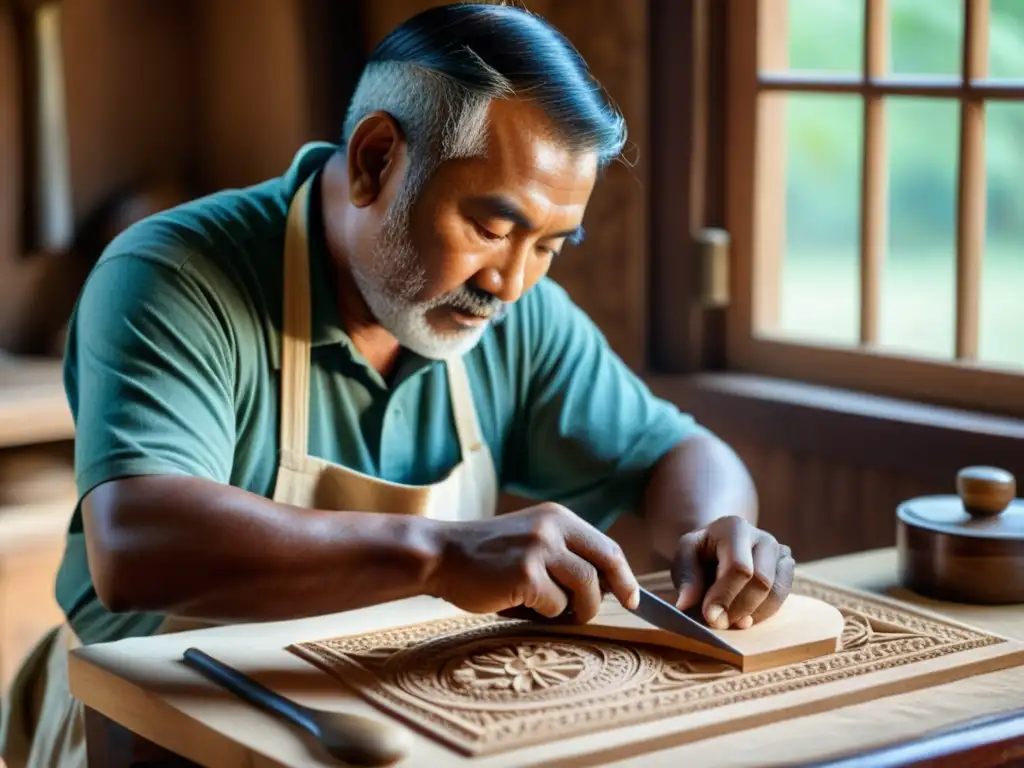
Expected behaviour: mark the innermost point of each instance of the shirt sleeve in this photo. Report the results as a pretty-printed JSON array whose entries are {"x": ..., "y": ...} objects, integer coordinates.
[
  {"x": 591, "y": 430},
  {"x": 149, "y": 374}
]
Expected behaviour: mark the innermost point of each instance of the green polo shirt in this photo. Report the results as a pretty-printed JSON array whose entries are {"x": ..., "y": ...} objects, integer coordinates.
[{"x": 172, "y": 367}]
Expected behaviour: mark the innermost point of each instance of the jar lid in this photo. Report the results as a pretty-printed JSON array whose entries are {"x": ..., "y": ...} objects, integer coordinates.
[
  {"x": 946, "y": 514},
  {"x": 984, "y": 507}
]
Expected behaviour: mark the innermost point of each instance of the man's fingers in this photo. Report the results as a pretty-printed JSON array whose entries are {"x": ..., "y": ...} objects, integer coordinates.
[
  {"x": 735, "y": 567},
  {"x": 605, "y": 555},
  {"x": 579, "y": 577},
  {"x": 765, "y": 559},
  {"x": 688, "y": 571},
  {"x": 781, "y": 586},
  {"x": 542, "y": 594}
]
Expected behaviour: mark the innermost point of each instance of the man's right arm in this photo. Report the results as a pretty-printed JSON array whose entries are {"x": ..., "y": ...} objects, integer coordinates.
[
  {"x": 151, "y": 377},
  {"x": 195, "y": 548}
]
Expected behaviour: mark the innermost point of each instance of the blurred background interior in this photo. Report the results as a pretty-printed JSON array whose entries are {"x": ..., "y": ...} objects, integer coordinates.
[{"x": 846, "y": 388}]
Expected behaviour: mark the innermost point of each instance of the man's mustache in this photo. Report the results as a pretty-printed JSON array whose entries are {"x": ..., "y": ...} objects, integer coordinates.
[{"x": 474, "y": 301}]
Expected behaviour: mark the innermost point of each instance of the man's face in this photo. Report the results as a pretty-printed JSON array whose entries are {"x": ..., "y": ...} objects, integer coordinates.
[{"x": 473, "y": 238}]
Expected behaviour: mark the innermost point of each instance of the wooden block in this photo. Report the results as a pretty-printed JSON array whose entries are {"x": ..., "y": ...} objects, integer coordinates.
[{"x": 804, "y": 628}]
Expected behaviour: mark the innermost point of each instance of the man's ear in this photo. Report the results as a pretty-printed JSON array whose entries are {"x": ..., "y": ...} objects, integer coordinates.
[{"x": 374, "y": 152}]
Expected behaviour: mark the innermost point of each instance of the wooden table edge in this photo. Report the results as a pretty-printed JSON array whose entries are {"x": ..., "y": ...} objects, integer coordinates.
[{"x": 991, "y": 740}]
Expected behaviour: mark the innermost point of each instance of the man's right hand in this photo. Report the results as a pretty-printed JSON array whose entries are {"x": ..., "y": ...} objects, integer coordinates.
[{"x": 544, "y": 558}]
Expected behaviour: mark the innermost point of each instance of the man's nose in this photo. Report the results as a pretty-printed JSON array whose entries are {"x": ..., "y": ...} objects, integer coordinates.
[{"x": 505, "y": 280}]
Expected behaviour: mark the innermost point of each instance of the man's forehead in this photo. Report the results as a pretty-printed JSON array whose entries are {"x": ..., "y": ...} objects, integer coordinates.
[{"x": 522, "y": 144}]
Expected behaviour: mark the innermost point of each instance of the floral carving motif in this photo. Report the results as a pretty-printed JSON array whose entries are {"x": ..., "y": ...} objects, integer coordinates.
[
  {"x": 523, "y": 668},
  {"x": 483, "y": 684},
  {"x": 860, "y": 630}
]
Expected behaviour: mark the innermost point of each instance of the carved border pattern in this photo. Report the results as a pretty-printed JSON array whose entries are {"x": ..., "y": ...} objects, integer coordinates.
[{"x": 483, "y": 685}]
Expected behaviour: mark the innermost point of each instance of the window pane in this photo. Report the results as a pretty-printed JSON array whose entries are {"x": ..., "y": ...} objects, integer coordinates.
[
  {"x": 820, "y": 281},
  {"x": 826, "y": 35},
  {"x": 926, "y": 37},
  {"x": 1002, "y": 280},
  {"x": 1006, "y": 39},
  {"x": 918, "y": 302}
]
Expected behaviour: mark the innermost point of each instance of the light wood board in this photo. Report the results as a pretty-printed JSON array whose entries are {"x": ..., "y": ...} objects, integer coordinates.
[
  {"x": 803, "y": 628},
  {"x": 485, "y": 686}
]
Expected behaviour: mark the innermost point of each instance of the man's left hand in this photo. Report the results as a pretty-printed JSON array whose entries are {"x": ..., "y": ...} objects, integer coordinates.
[{"x": 739, "y": 574}]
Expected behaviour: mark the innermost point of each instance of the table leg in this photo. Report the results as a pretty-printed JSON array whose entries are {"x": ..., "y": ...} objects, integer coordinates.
[{"x": 109, "y": 745}]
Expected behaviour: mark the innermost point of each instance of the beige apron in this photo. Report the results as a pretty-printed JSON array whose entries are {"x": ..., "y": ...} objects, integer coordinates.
[{"x": 42, "y": 724}]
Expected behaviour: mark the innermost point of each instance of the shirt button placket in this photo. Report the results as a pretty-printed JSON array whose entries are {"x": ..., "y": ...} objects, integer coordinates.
[{"x": 394, "y": 443}]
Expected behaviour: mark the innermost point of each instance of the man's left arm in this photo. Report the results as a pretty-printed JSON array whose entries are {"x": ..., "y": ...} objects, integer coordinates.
[
  {"x": 595, "y": 439},
  {"x": 700, "y": 505}
]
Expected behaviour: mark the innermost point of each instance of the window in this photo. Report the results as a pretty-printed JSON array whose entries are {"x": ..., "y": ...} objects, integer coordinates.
[{"x": 875, "y": 196}]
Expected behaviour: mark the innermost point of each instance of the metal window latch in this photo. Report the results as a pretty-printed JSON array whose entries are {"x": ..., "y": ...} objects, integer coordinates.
[{"x": 713, "y": 249}]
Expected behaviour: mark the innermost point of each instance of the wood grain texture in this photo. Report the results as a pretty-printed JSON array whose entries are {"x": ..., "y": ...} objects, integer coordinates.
[
  {"x": 606, "y": 275},
  {"x": 822, "y": 507},
  {"x": 832, "y": 466}
]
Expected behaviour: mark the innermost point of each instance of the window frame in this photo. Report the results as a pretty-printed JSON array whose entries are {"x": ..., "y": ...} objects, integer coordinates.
[{"x": 753, "y": 33}]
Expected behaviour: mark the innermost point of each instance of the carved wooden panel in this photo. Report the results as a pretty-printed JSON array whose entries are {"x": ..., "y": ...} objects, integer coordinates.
[
  {"x": 482, "y": 685},
  {"x": 605, "y": 275}
]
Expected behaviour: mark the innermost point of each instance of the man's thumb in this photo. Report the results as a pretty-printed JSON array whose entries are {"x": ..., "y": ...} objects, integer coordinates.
[{"x": 687, "y": 571}]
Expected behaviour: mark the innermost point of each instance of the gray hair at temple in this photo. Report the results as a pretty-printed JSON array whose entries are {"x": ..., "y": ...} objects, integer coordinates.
[{"x": 437, "y": 72}]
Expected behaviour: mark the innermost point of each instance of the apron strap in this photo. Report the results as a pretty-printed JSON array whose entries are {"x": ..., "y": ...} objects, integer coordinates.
[
  {"x": 295, "y": 343},
  {"x": 295, "y": 349},
  {"x": 466, "y": 422}
]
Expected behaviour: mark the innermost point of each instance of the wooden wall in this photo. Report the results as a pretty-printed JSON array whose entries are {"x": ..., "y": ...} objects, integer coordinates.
[
  {"x": 166, "y": 100},
  {"x": 196, "y": 95},
  {"x": 192, "y": 91},
  {"x": 823, "y": 507}
]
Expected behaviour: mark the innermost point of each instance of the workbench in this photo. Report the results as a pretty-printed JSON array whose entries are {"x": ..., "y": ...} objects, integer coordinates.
[{"x": 144, "y": 705}]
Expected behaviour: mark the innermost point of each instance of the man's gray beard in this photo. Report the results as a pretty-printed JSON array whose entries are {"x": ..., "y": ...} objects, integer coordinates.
[{"x": 395, "y": 276}]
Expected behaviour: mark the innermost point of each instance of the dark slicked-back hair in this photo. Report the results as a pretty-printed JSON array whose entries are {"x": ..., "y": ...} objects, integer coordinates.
[{"x": 437, "y": 72}]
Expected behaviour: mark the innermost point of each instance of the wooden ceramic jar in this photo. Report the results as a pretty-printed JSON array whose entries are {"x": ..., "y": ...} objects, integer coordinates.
[{"x": 966, "y": 548}]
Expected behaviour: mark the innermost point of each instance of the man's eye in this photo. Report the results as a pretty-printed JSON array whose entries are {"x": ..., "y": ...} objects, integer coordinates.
[{"x": 486, "y": 233}]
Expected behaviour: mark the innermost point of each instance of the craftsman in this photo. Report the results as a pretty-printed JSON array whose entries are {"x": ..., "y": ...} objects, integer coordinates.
[{"x": 261, "y": 379}]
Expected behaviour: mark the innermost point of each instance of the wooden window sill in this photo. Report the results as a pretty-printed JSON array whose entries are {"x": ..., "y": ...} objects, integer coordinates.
[
  {"x": 33, "y": 406},
  {"x": 846, "y": 426}
]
